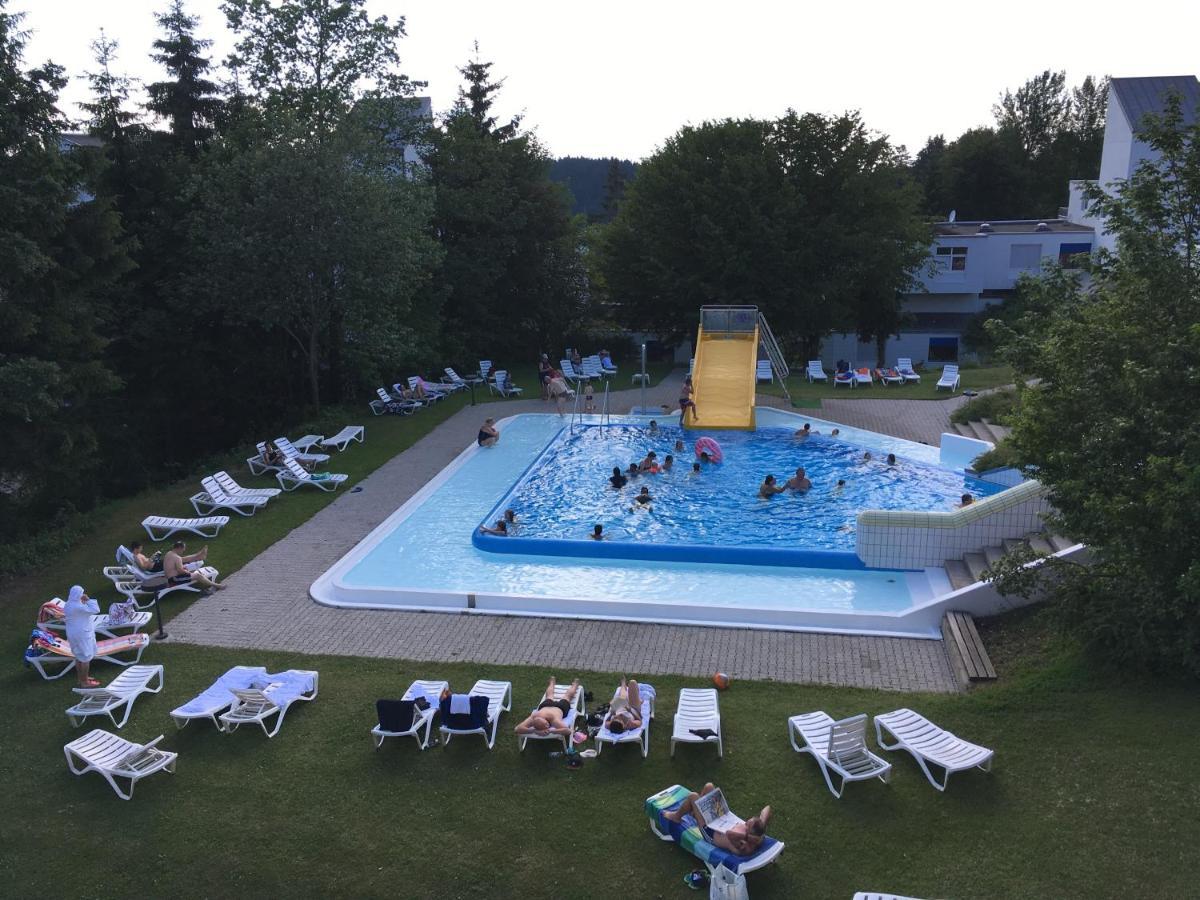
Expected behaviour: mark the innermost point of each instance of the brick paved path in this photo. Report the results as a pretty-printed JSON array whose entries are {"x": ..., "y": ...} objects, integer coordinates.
[{"x": 267, "y": 606}]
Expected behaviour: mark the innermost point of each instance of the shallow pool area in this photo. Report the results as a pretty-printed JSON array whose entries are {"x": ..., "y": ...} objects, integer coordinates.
[{"x": 422, "y": 557}]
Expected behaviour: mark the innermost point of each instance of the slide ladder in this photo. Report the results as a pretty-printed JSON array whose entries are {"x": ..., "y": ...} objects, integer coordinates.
[
  {"x": 771, "y": 347},
  {"x": 723, "y": 377}
]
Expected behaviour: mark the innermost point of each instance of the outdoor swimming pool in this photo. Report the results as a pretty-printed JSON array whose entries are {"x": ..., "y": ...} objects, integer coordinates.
[
  {"x": 422, "y": 557},
  {"x": 714, "y": 514}
]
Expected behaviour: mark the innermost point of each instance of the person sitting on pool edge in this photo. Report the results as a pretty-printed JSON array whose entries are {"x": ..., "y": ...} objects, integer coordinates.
[
  {"x": 500, "y": 529},
  {"x": 799, "y": 481},
  {"x": 617, "y": 479},
  {"x": 488, "y": 434},
  {"x": 769, "y": 488},
  {"x": 550, "y": 716},
  {"x": 741, "y": 839},
  {"x": 597, "y": 532}
]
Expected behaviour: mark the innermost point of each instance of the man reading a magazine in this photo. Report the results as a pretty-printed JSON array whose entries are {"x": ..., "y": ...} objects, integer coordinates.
[{"x": 742, "y": 838}]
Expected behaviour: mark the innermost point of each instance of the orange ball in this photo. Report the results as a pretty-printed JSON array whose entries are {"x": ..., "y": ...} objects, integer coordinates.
[{"x": 721, "y": 680}]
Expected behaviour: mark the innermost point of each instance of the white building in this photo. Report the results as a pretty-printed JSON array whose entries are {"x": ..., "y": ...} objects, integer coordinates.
[{"x": 974, "y": 264}]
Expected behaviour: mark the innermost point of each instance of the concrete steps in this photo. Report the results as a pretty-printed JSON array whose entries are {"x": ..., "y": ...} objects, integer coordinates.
[{"x": 973, "y": 566}]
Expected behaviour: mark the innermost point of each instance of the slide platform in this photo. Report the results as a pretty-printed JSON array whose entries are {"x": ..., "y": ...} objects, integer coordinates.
[{"x": 723, "y": 379}]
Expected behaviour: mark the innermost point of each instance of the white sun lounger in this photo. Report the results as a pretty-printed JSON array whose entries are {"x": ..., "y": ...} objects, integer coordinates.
[
  {"x": 256, "y": 463},
  {"x": 422, "y": 721},
  {"x": 290, "y": 452},
  {"x": 135, "y": 580},
  {"x": 698, "y": 709},
  {"x": 905, "y": 367},
  {"x": 47, "y": 649},
  {"x": 639, "y": 735},
  {"x": 219, "y": 697},
  {"x": 51, "y": 618},
  {"x": 258, "y": 705},
  {"x": 294, "y": 474},
  {"x": 206, "y": 527},
  {"x": 762, "y": 371},
  {"x": 871, "y": 895},
  {"x": 577, "y": 706},
  {"x": 306, "y": 443},
  {"x": 931, "y": 745},
  {"x": 213, "y": 497},
  {"x": 485, "y": 369},
  {"x": 114, "y": 757},
  {"x": 342, "y": 439},
  {"x": 233, "y": 489},
  {"x": 499, "y": 696},
  {"x": 815, "y": 371},
  {"x": 949, "y": 379},
  {"x": 840, "y": 747},
  {"x": 120, "y": 692},
  {"x": 503, "y": 385},
  {"x": 386, "y": 403}
]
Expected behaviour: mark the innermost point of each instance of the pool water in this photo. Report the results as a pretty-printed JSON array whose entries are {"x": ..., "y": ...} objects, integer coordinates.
[
  {"x": 567, "y": 490},
  {"x": 422, "y": 557}
]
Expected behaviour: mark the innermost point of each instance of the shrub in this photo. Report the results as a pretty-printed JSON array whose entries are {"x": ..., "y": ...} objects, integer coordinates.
[{"x": 997, "y": 406}]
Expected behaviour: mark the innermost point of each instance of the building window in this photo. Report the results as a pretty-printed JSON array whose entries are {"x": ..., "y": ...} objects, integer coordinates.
[
  {"x": 1070, "y": 256},
  {"x": 952, "y": 259},
  {"x": 943, "y": 349},
  {"x": 1025, "y": 256}
]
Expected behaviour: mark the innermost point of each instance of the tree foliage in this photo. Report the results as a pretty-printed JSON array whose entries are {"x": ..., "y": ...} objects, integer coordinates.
[
  {"x": 811, "y": 218},
  {"x": 1113, "y": 424}
]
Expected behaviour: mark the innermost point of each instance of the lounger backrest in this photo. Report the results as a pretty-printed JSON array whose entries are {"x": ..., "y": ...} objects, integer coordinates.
[
  {"x": 476, "y": 718},
  {"x": 904, "y": 363},
  {"x": 296, "y": 470},
  {"x": 950, "y": 371},
  {"x": 383, "y": 395},
  {"x": 214, "y": 489},
  {"x": 848, "y": 738},
  {"x": 395, "y": 715}
]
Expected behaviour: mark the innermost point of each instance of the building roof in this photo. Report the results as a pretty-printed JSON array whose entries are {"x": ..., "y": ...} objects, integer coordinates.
[
  {"x": 1141, "y": 96},
  {"x": 1011, "y": 226}
]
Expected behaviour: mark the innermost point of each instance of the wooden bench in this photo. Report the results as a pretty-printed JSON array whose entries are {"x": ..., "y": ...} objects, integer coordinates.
[{"x": 963, "y": 644}]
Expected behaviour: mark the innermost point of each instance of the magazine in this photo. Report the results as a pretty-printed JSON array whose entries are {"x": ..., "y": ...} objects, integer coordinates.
[{"x": 714, "y": 810}]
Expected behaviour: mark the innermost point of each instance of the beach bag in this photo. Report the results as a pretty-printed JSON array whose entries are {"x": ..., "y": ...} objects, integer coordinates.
[
  {"x": 727, "y": 885},
  {"x": 121, "y": 613}
]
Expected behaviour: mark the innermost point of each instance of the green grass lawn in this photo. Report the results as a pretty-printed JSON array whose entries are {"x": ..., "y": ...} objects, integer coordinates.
[
  {"x": 808, "y": 395},
  {"x": 1091, "y": 795}
]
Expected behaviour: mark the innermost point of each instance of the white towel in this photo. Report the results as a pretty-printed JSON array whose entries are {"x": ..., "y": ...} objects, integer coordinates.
[{"x": 460, "y": 703}]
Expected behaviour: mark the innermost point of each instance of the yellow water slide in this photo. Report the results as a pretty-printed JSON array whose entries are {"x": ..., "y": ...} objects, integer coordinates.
[{"x": 723, "y": 379}]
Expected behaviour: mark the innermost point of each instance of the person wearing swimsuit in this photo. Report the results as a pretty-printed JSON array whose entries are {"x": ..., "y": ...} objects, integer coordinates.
[
  {"x": 550, "y": 716},
  {"x": 742, "y": 839},
  {"x": 488, "y": 434},
  {"x": 685, "y": 400}
]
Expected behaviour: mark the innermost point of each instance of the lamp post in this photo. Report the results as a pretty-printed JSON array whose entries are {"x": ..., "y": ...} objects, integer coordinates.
[{"x": 162, "y": 635}]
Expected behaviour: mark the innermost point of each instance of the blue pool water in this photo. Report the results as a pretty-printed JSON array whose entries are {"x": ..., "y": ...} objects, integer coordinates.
[
  {"x": 567, "y": 491},
  {"x": 424, "y": 552}
]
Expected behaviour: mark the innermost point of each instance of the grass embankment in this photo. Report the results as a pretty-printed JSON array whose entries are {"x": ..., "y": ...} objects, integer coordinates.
[
  {"x": 808, "y": 395},
  {"x": 1091, "y": 794}
]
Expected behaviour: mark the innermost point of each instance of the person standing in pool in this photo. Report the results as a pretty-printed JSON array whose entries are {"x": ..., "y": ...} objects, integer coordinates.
[
  {"x": 649, "y": 464},
  {"x": 597, "y": 533},
  {"x": 643, "y": 500},
  {"x": 695, "y": 468},
  {"x": 866, "y": 456},
  {"x": 891, "y": 459},
  {"x": 799, "y": 481},
  {"x": 704, "y": 457},
  {"x": 633, "y": 470},
  {"x": 678, "y": 445},
  {"x": 841, "y": 485},
  {"x": 769, "y": 488},
  {"x": 966, "y": 501},
  {"x": 685, "y": 400},
  {"x": 668, "y": 464},
  {"x": 653, "y": 427},
  {"x": 618, "y": 480},
  {"x": 488, "y": 433},
  {"x": 805, "y": 433}
]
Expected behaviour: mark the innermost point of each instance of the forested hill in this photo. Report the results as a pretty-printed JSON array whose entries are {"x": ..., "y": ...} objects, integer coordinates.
[{"x": 587, "y": 177}]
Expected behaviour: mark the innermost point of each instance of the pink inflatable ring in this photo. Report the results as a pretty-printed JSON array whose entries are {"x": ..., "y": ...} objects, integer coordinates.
[{"x": 709, "y": 446}]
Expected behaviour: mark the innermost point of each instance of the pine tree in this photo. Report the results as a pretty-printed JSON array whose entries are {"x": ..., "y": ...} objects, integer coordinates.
[
  {"x": 189, "y": 100},
  {"x": 110, "y": 119},
  {"x": 476, "y": 96},
  {"x": 614, "y": 189}
]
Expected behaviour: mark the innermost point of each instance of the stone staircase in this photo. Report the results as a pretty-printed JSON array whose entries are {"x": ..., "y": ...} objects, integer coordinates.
[
  {"x": 971, "y": 568},
  {"x": 982, "y": 429}
]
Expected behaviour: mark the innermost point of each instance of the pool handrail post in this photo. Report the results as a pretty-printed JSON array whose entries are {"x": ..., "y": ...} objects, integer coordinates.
[
  {"x": 605, "y": 415},
  {"x": 643, "y": 379}
]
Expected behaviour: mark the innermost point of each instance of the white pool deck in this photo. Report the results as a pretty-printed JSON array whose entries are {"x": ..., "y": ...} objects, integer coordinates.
[{"x": 267, "y": 605}]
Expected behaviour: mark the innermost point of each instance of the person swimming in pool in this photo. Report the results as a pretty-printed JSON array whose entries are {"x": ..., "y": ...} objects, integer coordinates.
[
  {"x": 835, "y": 432},
  {"x": 704, "y": 457},
  {"x": 799, "y": 481},
  {"x": 803, "y": 434},
  {"x": 597, "y": 532},
  {"x": 668, "y": 464},
  {"x": 500, "y": 529},
  {"x": 550, "y": 716},
  {"x": 642, "y": 500},
  {"x": 866, "y": 456},
  {"x": 653, "y": 427},
  {"x": 695, "y": 468},
  {"x": 633, "y": 470},
  {"x": 678, "y": 445},
  {"x": 488, "y": 433},
  {"x": 617, "y": 479},
  {"x": 964, "y": 502},
  {"x": 840, "y": 485},
  {"x": 649, "y": 464},
  {"x": 769, "y": 488},
  {"x": 510, "y": 521},
  {"x": 891, "y": 459}
]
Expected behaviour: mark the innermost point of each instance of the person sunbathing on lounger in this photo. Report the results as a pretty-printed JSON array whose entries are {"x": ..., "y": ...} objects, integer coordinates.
[
  {"x": 175, "y": 568},
  {"x": 625, "y": 711},
  {"x": 550, "y": 717},
  {"x": 741, "y": 839}
]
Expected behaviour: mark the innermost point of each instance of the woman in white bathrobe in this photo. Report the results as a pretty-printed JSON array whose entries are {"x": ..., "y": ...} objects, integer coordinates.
[{"x": 81, "y": 632}]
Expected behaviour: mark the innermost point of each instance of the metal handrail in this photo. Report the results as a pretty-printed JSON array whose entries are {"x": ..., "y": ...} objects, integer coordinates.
[
  {"x": 575, "y": 409},
  {"x": 605, "y": 415},
  {"x": 779, "y": 365}
]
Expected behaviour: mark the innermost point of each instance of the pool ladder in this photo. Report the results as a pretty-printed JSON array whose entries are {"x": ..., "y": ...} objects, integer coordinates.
[{"x": 577, "y": 415}]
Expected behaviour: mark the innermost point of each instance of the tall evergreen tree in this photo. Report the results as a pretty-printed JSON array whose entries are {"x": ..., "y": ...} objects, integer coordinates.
[
  {"x": 188, "y": 101},
  {"x": 614, "y": 189},
  {"x": 59, "y": 253}
]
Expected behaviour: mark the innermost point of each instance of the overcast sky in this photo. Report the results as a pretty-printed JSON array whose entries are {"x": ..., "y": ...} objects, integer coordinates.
[{"x": 616, "y": 78}]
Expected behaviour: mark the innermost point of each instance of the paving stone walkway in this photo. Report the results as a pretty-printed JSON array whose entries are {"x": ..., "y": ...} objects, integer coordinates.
[{"x": 267, "y": 606}]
